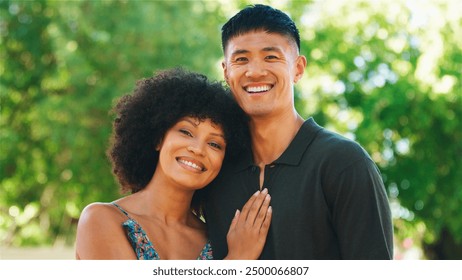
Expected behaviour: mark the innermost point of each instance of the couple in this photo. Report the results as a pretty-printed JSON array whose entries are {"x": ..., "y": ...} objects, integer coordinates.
[{"x": 179, "y": 132}]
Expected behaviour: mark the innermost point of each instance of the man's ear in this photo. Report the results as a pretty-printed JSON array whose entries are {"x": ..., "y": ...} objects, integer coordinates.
[
  {"x": 225, "y": 71},
  {"x": 300, "y": 68}
]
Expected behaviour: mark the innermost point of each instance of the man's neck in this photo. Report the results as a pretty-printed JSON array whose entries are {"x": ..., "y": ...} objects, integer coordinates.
[{"x": 272, "y": 135}]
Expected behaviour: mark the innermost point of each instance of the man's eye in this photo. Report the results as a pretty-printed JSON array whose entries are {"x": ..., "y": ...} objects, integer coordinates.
[
  {"x": 241, "y": 59},
  {"x": 185, "y": 132},
  {"x": 271, "y": 57},
  {"x": 215, "y": 145}
]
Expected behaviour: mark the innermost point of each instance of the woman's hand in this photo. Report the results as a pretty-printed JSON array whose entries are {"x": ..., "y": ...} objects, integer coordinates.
[{"x": 249, "y": 228}]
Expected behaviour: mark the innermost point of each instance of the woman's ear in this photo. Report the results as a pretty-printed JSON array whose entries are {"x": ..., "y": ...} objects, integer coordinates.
[{"x": 159, "y": 145}]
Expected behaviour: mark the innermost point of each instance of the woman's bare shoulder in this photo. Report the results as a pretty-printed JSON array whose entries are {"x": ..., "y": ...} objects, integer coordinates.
[
  {"x": 101, "y": 218},
  {"x": 99, "y": 212},
  {"x": 100, "y": 234}
]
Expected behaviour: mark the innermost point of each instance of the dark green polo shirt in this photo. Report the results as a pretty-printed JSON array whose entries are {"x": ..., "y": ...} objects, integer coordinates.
[{"x": 328, "y": 200}]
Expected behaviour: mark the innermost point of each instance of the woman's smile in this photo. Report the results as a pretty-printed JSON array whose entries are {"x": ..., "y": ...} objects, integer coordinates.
[{"x": 191, "y": 164}]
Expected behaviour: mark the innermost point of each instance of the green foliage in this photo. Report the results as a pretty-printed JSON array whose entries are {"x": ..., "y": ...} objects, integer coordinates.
[
  {"x": 389, "y": 75},
  {"x": 385, "y": 73},
  {"x": 63, "y": 64}
]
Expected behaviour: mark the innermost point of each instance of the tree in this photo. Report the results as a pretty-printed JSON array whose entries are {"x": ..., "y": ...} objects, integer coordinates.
[
  {"x": 63, "y": 64},
  {"x": 387, "y": 74}
]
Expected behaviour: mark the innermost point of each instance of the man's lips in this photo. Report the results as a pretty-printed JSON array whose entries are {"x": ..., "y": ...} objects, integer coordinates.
[
  {"x": 191, "y": 163},
  {"x": 257, "y": 88}
]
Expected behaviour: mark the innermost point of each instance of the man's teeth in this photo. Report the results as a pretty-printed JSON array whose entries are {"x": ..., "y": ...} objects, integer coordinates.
[
  {"x": 258, "y": 89},
  {"x": 193, "y": 165}
]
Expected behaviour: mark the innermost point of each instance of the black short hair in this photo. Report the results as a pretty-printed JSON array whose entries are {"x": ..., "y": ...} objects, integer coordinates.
[
  {"x": 259, "y": 18},
  {"x": 157, "y": 104}
]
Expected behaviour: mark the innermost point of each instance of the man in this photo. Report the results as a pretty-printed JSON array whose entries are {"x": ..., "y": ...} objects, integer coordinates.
[{"x": 328, "y": 198}]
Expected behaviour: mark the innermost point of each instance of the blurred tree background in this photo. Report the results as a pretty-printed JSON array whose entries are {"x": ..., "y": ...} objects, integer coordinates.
[{"x": 385, "y": 73}]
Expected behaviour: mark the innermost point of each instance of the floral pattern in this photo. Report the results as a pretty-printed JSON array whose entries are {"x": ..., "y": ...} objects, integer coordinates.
[{"x": 144, "y": 248}]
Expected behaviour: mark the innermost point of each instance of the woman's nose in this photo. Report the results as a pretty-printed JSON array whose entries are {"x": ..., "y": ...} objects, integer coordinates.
[{"x": 196, "y": 148}]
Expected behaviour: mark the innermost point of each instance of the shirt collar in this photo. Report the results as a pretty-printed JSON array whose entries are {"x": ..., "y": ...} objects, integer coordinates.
[
  {"x": 304, "y": 137},
  {"x": 294, "y": 152}
]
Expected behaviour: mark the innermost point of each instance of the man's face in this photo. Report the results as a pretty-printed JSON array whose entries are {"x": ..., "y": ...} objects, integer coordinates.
[{"x": 261, "y": 69}]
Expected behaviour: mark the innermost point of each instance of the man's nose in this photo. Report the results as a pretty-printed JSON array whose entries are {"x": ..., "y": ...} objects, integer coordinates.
[{"x": 255, "y": 69}]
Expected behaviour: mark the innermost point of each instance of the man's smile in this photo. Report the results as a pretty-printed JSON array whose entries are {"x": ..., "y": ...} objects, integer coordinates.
[{"x": 258, "y": 89}]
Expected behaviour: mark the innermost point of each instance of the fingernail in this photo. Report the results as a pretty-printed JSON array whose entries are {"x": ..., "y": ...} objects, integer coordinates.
[
  {"x": 268, "y": 197},
  {"x": 237, "y": 213},
  {"x": 256, "y": 193},
  {"x": 270, "y": 209},
  {"x": 265, "y": 190}
]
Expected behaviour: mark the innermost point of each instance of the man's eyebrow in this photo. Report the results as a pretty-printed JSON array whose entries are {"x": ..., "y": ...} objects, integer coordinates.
[
  {"x": 272, "y": 49},
  {"x": 237, "y": 52},
  {"x": 265, "y": 49}
]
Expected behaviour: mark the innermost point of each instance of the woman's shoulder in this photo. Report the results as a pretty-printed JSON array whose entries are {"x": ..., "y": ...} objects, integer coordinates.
[
  {"x": 100, "y": 234},
  {"x": 97, "y": 209},
  {"x": 101, "y": 213}
]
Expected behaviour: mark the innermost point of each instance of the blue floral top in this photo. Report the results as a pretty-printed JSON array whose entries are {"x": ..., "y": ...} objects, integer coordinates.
[{"x": 143, "y": 247}]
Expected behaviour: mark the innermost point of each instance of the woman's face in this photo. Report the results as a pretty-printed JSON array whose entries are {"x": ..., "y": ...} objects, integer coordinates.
[{"x": 192, "y": 152}]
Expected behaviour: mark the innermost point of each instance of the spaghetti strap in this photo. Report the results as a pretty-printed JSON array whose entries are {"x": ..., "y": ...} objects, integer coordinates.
[
  {"x": 143, "y": 247},
  {"x": 122, "y": 210}
]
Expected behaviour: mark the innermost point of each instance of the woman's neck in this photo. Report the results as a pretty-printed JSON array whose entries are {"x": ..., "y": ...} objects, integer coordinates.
[{"x": 167, "y": 203}]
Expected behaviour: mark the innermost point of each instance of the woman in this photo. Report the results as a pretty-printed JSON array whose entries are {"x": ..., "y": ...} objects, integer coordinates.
[{"x": 169, "y": 141}]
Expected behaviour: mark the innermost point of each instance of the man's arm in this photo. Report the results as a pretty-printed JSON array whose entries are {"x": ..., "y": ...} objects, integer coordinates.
[{"x": 361, "y": 212}]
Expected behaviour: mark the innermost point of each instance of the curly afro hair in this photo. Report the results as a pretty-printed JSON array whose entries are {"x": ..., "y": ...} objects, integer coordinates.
[{"x": 157, "y": 104}]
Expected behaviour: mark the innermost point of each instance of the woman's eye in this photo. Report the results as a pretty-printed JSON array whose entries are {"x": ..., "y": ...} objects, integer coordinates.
[
  {"x": 215, "y": 145},
  {"x": 185, "y": 132}
]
